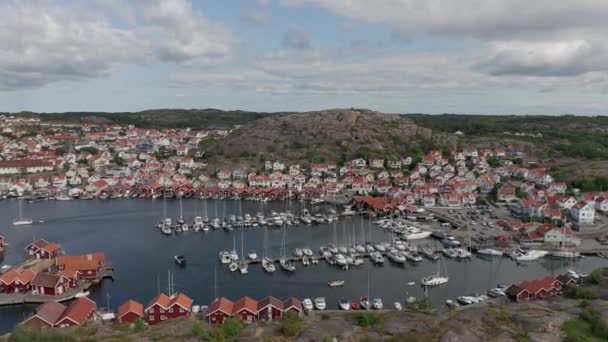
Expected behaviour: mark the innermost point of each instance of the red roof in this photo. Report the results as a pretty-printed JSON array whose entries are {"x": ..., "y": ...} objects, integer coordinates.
[
  {"x": 245, "y": 303},
  {"x": 534, "y": 286},
  {"x": 79, "y": 310},
  {"x": 162, "y": 300},
  {"x": 269, "y": 301},
  {"x": 221, "y": 304},
  {"x": 130, "y": 306}
]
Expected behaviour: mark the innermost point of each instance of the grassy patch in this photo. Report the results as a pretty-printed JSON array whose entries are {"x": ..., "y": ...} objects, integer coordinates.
[
  {"x": 366, "y": 319},
  {"x": 27, "y": 334},
  {"x": 588, "y": 327}
]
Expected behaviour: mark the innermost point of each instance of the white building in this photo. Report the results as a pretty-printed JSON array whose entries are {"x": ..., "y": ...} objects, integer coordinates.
[{"x": 583, "y": 213}]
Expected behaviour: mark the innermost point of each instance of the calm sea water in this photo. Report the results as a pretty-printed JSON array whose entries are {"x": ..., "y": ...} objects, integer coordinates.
[{"x": 125, "y": 231}]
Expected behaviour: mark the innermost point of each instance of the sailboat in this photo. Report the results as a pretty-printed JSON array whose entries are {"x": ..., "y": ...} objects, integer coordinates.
[
  {"x": 436, "y": 279},
  {"x": 243, "y": 267},
  {"x": 285, "y": 264},
  {"x": 267, "y": 264},
  {"x": 22, "y": 221}
]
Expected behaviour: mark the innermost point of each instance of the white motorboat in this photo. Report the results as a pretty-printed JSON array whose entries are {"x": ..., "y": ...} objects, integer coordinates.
[
  {"x": 565, "y": 254},
  {"x": 225, "y": 257},
  {"x": 462, "y": 253},
  {"x": 196, "y": 308},
  {"x": 82, "y": 294},
  {"x": 233, "y": 267},
  {"x": 320, "y": 303},
  {"x": 307, "y": 252},
  {"x": 307, "y": 304},
  {"x": 423, "y": 234},
  {"x": 411, "y": 283},
  {"x": 358, "y": 261},
  {"x": 377, "y": 303},
  {"x": 365, "y": 303},
  {"x": 335, "y": 283},
  {"x": 63, "y": 198},
  {"x": 398, "y": 306},
  {"x": 5, "y": 268},
  {"x": 380, "y": 247},
  {"x": 252, "y": 255},
  {"x": 340, "y": 260},
  {"x": 450, "y": 241},
  {"x": 360, "y": 249},
  {"x": 298, "y": 252},
  {"x": 395, "y": 256},
  {"x": 434, "y": 280},
  {"x": 23, "y": 222},
  {"x": 377, "y": 258},
  {"x": 489, "y": 251},
  {"x": 344, "y": 304},
  {"x": 185, "y": 227}
]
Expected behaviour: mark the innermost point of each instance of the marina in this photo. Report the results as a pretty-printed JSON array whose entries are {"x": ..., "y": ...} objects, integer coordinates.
[{"x": 141, "y": 254}]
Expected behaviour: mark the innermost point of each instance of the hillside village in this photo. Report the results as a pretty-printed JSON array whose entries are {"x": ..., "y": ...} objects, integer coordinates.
[{"x": 44, "y": 160}]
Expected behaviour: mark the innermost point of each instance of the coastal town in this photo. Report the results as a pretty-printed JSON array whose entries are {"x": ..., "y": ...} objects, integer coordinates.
[
  {"x": 43, "y": 160},
  {"x": 491, "y": 201}
]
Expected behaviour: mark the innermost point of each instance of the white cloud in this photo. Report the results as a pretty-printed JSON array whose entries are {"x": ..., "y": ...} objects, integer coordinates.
[
  {"x": 539, "y": 38},
  {"x": 44, "y": 42}
]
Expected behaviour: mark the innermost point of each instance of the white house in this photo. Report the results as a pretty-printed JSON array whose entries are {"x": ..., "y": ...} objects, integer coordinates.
[{"x": 583, "y": 213}]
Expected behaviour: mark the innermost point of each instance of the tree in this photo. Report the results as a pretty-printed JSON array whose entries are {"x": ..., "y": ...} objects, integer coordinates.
[{"x": 60, "y": 151}]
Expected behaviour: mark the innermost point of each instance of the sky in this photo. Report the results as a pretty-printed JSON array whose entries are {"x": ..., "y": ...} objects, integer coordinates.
[{"x": 397, "y": 56}]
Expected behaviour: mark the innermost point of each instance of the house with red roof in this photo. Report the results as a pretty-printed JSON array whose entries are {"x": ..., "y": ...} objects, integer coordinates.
[
  {"x": 14, "y": 281},
  {"x": 49, "y": 284},
  {"x": 130, "y": 312},
  {"x": 270, "y": 308},
  {"x": 89, "y": 265},
  {"x": 507, "y": 194},
  {"x": 534, "y": 289},
  {"x": 77, "y": 313},
  {"x": 220, "y": 310},
  {"x": 246, "y": 309},
  {"x": 163, "y": 307},
  {"x": 46, "y": 315},
  {"x": 42, "y": 249},
  {"x": 292, "y": 305}
]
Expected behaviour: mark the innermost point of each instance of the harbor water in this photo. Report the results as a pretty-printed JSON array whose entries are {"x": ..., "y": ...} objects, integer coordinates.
[{"x": 125, "y": 230}]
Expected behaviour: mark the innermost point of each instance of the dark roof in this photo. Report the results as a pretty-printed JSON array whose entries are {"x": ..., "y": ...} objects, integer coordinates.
[
  {"x": 270, "y": 301},
  {"x": 292, "y": 303},
  {"x": 50, "y": 312},
  {"x": 46, "y": 279}
]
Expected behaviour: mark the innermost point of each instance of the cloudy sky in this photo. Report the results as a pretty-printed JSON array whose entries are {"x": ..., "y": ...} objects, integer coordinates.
[{"x": 431, "y": 56}]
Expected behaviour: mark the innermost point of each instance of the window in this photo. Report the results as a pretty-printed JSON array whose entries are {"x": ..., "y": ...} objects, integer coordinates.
[
  {"x": 171, "y": 310},
  {"x": 152, "y": 310},
  {"x": 163, "y": 317},
  {"x": 181, "y": 310},
  {"x": 150, "y": 318}
]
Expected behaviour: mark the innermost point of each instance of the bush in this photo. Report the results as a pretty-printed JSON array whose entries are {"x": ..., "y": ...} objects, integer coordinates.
[
  {"x": 232, "y": 327},
  {"x": 140, "y": 326},
  {"x": 579, "y": 292},
  {"x": 367, "y": 319},
  {"x": 197, "y": 330},
  {"x": 597, "y": 277},
  {"x": 291, "y": 324},
  {"x": 423, "y": 304}
]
